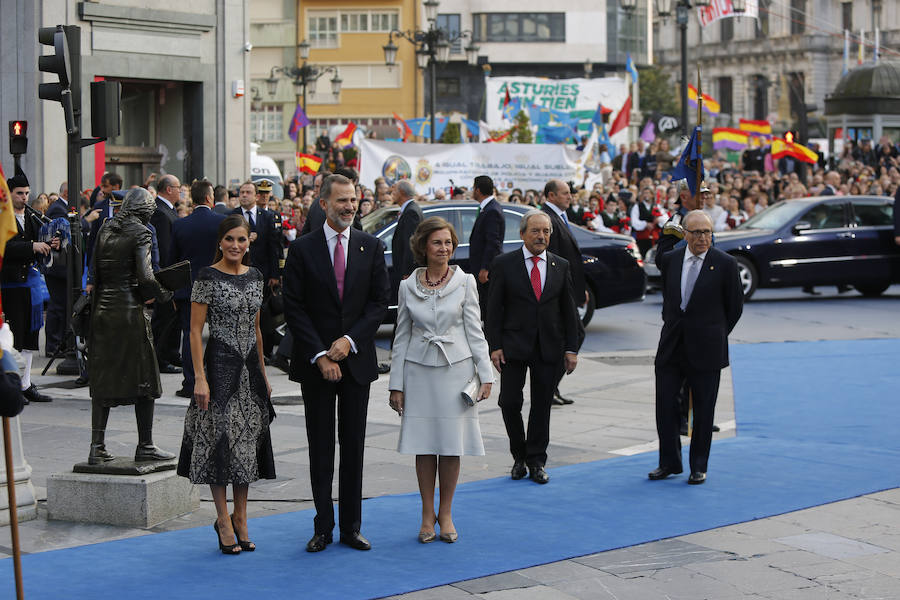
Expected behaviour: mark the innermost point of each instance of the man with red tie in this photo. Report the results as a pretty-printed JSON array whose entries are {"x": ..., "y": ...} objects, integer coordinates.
[
  {"x": 532, "y": 325},
  {"x": 335, "y": 297}
]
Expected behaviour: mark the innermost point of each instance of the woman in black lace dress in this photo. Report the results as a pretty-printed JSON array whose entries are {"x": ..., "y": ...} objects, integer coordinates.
[{"x": 226, "y": 428}]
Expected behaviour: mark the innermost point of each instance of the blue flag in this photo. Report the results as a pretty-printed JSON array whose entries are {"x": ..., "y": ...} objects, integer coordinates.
[
  {"x": 422, "y": 127},
  {"x": 691, "y": 162},
  {"x": 512, "y": 109},
  {"x": 603, "y": 138},
  {"x": 629, "y": 66}
]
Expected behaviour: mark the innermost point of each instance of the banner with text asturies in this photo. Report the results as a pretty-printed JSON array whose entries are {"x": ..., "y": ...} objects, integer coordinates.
[{"x": 433, "y": 166}]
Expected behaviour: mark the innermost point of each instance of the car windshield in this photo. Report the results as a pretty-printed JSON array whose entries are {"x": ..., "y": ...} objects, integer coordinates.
[
  {"x": 378, "y": 218},
  {"x": 776, "y": 216}
]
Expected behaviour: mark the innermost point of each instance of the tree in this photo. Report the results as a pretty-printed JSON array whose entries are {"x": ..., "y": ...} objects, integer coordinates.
[
  {"x": 658, "y": 92},
  {"x": 451, "y": 134},
  {"x": 521, "y": 129}
]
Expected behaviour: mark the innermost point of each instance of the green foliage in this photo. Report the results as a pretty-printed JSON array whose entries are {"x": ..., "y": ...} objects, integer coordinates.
[
  {"x": 658, "y": 91},
  {"x": 522, "y": 129},
  {"x": 451, "y": 134}
]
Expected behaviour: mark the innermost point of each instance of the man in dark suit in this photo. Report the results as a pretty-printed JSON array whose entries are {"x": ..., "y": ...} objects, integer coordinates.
[
  {"x": 403, "y": 194},
  {"x": 832, "y": 183},
  {"x": 166, "y": 329},
  {"x": 221, "y": 201},
  {"x": 194, "y": 239},
  {"x": 55, "y": 276},
  {"x": 486, "y": 239},
  {"x": 531, "y": 324},
  {"x": 336, "y": 293},
  {"x": 562, "y": 243},
  {"x": 702, "y": 302}
]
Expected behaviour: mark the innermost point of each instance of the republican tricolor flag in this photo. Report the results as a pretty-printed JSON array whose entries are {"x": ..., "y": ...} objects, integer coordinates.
[
  {"x": 346, "y": 138},
  {"x": 729, "y": 138},
  {"x": 761, "y": 128},
  {"x": 709, "y": 104}
]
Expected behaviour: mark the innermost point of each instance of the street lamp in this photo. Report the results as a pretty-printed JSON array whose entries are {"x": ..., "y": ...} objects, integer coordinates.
[
  {"x": 682, "y": 12},
  {"x": 432, "y": 47},
  {"x": 303, "y": 79}
]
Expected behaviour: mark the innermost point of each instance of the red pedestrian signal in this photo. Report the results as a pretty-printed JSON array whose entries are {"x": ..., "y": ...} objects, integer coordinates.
[{"x": 18, "y": 137}]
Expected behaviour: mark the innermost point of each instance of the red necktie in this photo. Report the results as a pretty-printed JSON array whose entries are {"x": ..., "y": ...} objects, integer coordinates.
[
  {"x": 339, "y": 266},
  {"x": 536, "y": 277}
]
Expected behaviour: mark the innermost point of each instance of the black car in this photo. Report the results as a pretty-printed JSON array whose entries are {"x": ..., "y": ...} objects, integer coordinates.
[
  {"x": 826, "y": 240},
  {"x": 612, "y": 265}
]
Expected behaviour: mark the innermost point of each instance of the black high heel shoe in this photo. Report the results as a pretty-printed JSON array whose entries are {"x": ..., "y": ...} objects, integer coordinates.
[
  {"x": 246, "y": 545},
  {"x": 229, "y": 549}
]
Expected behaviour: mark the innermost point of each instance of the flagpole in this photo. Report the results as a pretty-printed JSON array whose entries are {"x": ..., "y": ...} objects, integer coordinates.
[
  {"x": 699, "y": 137},
  {"x": 13, "y": 516}
]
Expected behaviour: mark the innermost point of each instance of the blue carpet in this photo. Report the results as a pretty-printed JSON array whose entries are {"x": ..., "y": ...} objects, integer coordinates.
[{"x": 816, "y": 424}]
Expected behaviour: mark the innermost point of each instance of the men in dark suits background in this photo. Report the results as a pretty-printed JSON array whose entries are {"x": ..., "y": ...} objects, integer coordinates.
[
  {"x": 20, "y": 282},
  {"x": 403, "y": 194},
  {"x": 702, "y": 302},
  {"x": 315, "y": 218},
  {"x": 336, "y": 293},
  {"x": 100, "y": 202},
  {"x": 832, "y": 183},
  {"x": 531, "y": 324},
  {"x": 55, "y": 276},
  {"x": 562, "y": 243},
  {"x": 221, "y": 201},
  {"x": 486, "y": 239},
  {"x": 194, "y": 239},
  {"x": 165, "y": 323}
]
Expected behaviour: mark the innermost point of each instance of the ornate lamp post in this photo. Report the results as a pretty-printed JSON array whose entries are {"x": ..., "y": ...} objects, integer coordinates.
[
  {"x": 432, "y": 47},
  {"x": 304, "y": 80}
]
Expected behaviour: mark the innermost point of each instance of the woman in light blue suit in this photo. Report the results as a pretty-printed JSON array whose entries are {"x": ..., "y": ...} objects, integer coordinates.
[{"x": 439, "y": 347}]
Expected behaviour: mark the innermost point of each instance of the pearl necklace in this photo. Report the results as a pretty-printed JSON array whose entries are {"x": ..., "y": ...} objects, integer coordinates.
[{"x": 430, "y": 283}]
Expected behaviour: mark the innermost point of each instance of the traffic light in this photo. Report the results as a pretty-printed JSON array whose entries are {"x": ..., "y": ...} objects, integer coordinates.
[
  {"x": 18, "y": 137},
  {"x": 58, "y": 64}
]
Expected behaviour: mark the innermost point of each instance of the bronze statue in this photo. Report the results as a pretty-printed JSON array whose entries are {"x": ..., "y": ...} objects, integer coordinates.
[{"x": 121, "y": 358}]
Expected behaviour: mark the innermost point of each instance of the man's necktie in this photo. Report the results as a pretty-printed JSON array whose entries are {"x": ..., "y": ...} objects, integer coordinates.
[
  {"x": 250, "y": 220},
  {"x": 339, "y": 266},
  {"x": 566, "y": 221},
  {"x": 690, "y": 280},
  {"x": 536, "y": 277}
]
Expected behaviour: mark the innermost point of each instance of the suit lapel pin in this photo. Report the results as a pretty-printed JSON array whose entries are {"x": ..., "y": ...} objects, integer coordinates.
[
  {"x": 553, "y": 264},
  {"x": 361, "y": 249},
  {"x": 711, "y": 267}
]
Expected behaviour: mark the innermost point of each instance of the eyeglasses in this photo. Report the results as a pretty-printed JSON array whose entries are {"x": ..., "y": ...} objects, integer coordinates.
[{"x": 700, "y": 232}]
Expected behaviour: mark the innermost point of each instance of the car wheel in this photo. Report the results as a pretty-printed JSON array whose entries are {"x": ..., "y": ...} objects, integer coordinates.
[
  {"x": 748, "y": 276},
  {"x": 586, "y": 312},
  {"x": 871, "y": 290}
]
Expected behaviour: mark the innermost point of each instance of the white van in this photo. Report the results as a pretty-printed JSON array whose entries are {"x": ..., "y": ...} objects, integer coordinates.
[{"x": 263, "y": 167}]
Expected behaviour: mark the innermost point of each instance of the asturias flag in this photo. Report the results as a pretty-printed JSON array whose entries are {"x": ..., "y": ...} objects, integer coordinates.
[
  {"x": 308, "y": 163},
  {"x": 629, "y": 66},
  {"x": 691, "y": 162},
  {"x": 346, "y": 138},
  {"x": 300, "y": 120}
]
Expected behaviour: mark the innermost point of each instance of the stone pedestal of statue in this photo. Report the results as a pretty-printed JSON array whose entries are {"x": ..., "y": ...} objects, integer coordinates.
[
  {"x": 121, "y": 492},
  {"x": 26, "y": 502}
]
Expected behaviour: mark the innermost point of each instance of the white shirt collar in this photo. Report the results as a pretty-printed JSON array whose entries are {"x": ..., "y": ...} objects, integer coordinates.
[
  {"x": 688, "y": 254},
  {"x": 251, "y": 210},
  {"x": 528, "y": 254},
  {"x": 169, "y": 204},
  {"x": 485, "y": 202},
  {"x": 404, "y": 205},
  {"x": 557, "y": 210},
  {"x": 330, "y": 232}
]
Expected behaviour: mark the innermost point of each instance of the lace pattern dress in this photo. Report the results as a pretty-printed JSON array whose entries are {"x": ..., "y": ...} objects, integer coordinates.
[{"x": 230, "y": 442}]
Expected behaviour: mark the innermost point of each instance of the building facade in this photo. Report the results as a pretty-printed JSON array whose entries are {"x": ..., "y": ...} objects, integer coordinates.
[
  {"x": 786, "y": 61},
  {"x": 182, "y": 67}
]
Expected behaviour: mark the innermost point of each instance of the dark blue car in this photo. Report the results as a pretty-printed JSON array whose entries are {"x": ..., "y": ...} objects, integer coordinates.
[
  {"x": 827, "y": 240},
  {"x": 612, "y": 264}
]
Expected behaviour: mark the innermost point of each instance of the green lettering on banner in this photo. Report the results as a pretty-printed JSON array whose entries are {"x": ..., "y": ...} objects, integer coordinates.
[{"x": 575, "y": 89}]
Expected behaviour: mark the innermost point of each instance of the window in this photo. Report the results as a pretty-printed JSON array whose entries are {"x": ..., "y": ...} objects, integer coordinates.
[
  {"x": 847, "y": 15},
  {"x": 447, "y": 86},
  {"x": 385, "y": 21},
  {"x": 519, "y": 27},
  {"x": 825, "y": 216},
  {"x": 725, "y": 96},
  {"x": 873, "y": 213},
  {"x": 798, "y": 17},
  {"x": 762, "y": 23},
  {"x": 727, "y": 32},
  {"x": 627, "y": 33},
  {"x": 451, "y": 24},
  {"x": 267, "y": 124},
  {"x": 368, "y": 21},
  {"x": 323, "y": 30}
]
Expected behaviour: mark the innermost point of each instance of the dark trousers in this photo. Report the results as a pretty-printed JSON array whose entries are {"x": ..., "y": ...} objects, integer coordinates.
[
  {"x": 267, "y": 322},
  {"x": 166, "y": 331},
  {"x": 55, "y": 326},
  {"x": 482, "y": 297},
  {"x": 704, "y": 385},
  {"x": 531, "y": 448},
  {"x": 187, "y": 366},
  {"x": 352, "y": 405}
]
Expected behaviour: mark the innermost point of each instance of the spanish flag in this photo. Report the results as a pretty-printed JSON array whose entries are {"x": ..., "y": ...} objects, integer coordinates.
[
  {"x": 8, "y": 227},
  {"x": 782, "y": 148},
  {"x": 763, "y": 128},
  {"x": 346, "y": 138},
  {"x": 709, "y": 104},
  {"x": 729, "y": 138},
  {"x": 308, "y": 163}
]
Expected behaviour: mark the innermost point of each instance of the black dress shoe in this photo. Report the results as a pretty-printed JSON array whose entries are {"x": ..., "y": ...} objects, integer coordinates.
[
  {"x": 183, "y": 393},
  {"x": 33, "y": 395},
  {"x": 281, "y": 363},
  {"x": 697, "y": 477},
  {"x": 557, "y": 401},
  {"x": 82, "y": 381},
  {"x": 518, "y": 470},
  {"x": 356, "y": 541},
  {"x": 539, "y": 475},
  {"x": 684, "y": 429},
  {"x": 661, "y": 473},
  {"x": 560, "y": 399},
  {"x": 318, "y": 542},
  {"x": 384, "y": 368},
  {"x": 715, "y": 428},
  {"x": 169, "y": 369}
]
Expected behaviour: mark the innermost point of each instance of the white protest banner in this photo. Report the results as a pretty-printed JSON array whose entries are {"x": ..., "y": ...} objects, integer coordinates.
[
  {"x": 433, "y": 166},
  {"x": 721, "y": 9},
  {"x": 578, "y": 97}
]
